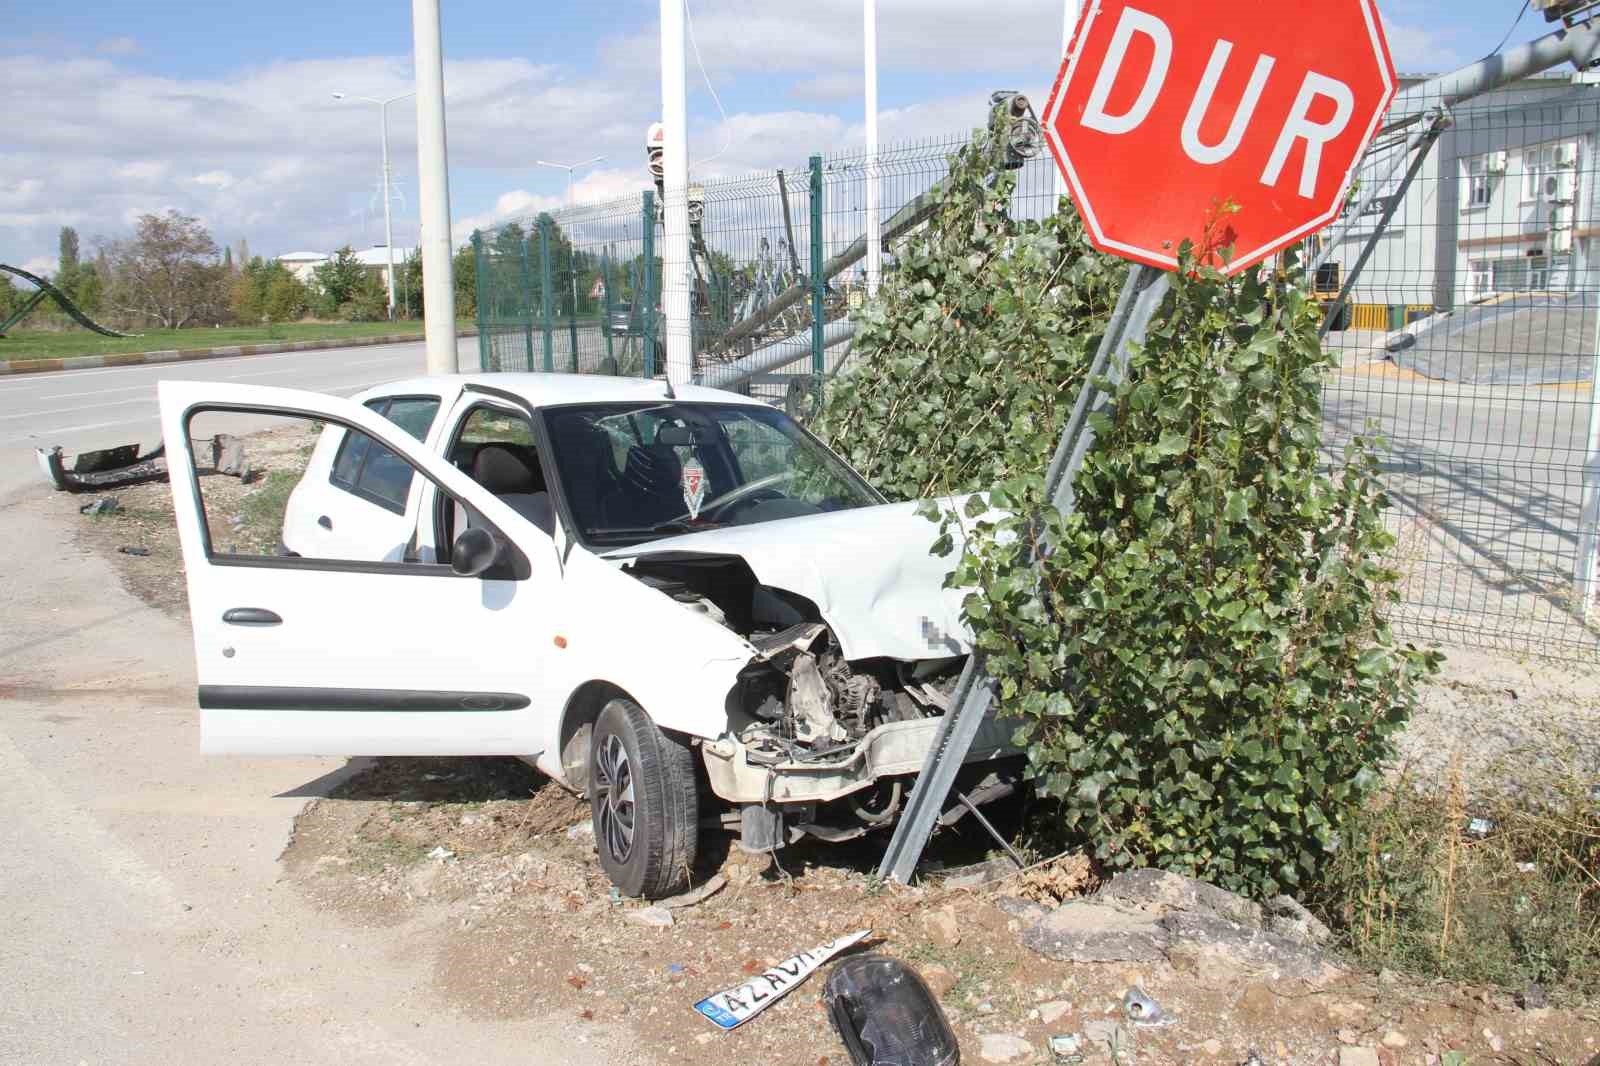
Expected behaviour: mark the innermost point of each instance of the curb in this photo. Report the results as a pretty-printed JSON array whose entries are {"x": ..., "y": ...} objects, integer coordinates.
[{"x": 184, "y": 355}]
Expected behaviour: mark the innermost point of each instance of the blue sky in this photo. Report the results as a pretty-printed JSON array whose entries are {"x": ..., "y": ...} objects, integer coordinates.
[{"x": 228, "y": 114}]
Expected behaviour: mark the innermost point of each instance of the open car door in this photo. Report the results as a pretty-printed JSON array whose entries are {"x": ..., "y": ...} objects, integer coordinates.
[{"x": 390, "y": 650}]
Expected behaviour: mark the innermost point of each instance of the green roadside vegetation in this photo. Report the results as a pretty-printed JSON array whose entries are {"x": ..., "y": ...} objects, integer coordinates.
[{"x": 25, "y": 345}]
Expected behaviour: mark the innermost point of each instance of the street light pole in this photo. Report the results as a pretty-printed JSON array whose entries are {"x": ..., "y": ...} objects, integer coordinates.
[
  {"x": 388, "y": 221},
  {"x": 869, "y": 27},
  {"x": 569, "y": 168}
]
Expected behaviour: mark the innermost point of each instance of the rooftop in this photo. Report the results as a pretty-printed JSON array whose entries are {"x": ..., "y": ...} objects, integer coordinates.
[{"x": 547, "y": 390}]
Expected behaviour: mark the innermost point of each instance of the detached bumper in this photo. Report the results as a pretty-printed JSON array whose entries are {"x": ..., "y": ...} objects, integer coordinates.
[{"x": 890, "y": 750}]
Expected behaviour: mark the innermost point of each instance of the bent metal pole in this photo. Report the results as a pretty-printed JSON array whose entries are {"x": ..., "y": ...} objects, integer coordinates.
[{"x": 433, "y": 180}]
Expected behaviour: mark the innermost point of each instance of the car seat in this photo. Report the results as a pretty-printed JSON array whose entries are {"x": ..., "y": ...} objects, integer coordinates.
[
  {"x": 513, "y": 475},
  {"x": 650, "y": 491}
]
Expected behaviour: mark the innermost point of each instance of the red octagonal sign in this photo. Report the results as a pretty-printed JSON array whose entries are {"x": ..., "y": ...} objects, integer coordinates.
[{"x": 1166, "y": 110}]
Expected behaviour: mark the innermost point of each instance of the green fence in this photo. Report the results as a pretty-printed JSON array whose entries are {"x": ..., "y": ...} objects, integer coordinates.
[{"x": 775, "y": 257}]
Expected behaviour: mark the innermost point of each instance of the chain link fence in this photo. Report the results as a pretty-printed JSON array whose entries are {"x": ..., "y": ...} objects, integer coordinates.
[{"x": 1468, "y": 339}]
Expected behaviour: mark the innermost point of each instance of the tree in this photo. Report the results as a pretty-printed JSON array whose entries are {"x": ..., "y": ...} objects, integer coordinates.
[
  {"x": 339, "y": 279},
  {"x": 465, "y": 269},
  {"x": 227, "y": 260},
  {"x": 68, "y": 259},
  {"x": 267, "y": 291},
  {"x": 168, "y": 272}
]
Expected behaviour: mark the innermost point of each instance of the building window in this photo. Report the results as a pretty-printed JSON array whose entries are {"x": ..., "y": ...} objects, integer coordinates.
[
  {"x": 1529, "y": 273},
  {"x": 1536, "y": 163},
  {"x": 1477, "y": 184},
  {"x": 1480, "y": 280}
]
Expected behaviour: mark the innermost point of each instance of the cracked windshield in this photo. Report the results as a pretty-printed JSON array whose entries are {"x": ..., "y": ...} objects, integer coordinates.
[{"x": 632, "y": 472}]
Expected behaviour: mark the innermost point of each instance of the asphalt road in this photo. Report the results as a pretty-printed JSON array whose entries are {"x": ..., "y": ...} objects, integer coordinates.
[
  {"x": 86, "y": 409},
  {"x": 145, "y": 917}
]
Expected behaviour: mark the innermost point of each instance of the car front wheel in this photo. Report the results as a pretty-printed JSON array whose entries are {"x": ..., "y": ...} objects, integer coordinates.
[{"x": 644, "y": 801}]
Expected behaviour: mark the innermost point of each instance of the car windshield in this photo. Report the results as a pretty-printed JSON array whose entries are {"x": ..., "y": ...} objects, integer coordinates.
[{"x": 633, "y": 472}]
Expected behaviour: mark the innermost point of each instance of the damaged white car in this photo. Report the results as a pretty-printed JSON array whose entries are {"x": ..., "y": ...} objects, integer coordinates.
[{"x": 682, "y": 606}]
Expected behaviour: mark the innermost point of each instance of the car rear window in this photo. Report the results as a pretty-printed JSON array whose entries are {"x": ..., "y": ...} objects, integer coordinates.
[{"x": 367, "y": 469}]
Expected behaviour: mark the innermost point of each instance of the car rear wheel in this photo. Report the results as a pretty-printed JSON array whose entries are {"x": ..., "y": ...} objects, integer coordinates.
[{"x": 644, "y": 800}]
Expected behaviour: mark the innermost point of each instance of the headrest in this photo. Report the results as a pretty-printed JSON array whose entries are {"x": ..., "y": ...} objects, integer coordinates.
[
  {"x": 502, "y": 470},
  {"x": 654, "y": 469}
]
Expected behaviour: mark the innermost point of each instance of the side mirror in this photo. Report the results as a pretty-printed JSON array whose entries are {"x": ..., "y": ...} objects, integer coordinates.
[
  {"x": 1400, "y": 342},
  {"x": 474, "y": 552}
]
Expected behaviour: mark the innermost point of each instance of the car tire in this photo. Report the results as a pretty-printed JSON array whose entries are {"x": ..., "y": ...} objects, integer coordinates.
[{"x": 644, "y": 800}]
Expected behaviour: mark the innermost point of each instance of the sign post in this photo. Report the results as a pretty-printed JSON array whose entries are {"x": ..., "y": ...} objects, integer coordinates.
[{"x": 1166, "y": 117}]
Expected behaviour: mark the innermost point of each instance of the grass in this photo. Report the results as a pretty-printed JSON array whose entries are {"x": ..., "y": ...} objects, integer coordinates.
[
  {"x": 1494, "y": 879},
  {"x": 21, "y": 346}
]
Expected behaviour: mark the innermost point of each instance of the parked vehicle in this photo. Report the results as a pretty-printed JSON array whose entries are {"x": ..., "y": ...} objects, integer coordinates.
[{"x": 684, "y": 607}]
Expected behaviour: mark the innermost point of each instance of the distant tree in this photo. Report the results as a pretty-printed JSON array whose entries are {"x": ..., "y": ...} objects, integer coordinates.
[
  {"x": 408, "y": 286},
  {"x": 9, "y": 298},
  {"x": 242, "y": 255},
  {"x": 465, "y": 268},
  {"x": 339, "y": 279},
  {"x": 267, "y": 291},
  {"x": 167, "y": 272},
  {"x": 227, "y": 260},
  {"x": 68, "y": 259}
]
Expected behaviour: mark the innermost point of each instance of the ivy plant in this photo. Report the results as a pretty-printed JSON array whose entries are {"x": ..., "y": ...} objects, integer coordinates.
[{"x": 1198, "y": 654}]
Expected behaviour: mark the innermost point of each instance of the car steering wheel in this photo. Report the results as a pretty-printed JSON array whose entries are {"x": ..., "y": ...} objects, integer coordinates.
[{"x": 744, "y": 494}]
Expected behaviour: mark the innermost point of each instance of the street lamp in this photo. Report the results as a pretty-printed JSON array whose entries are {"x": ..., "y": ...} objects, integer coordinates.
[
  {"x": 388, "y": 223},
  {"x": 569, "y": 168}
]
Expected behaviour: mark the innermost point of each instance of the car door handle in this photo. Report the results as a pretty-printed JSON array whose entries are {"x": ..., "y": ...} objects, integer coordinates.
[
  {"x": 251, "y": 616},
  {"x": 325, "y": 522}
]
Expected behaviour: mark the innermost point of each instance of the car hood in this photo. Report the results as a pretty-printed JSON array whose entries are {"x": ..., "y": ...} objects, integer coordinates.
[{"x": 868, "y": 570}]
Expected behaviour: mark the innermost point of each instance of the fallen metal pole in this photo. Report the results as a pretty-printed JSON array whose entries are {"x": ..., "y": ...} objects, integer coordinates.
[
  {"x": 790, "y": 349},
  {"x": 1142, "y": 294}
]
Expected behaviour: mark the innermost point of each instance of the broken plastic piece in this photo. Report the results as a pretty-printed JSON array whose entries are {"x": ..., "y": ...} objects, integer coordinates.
[
  {"x": 886, "y": 1016},
  {"x": 104, "y": 505},
  {"x": 102, "y": 469},
  {"x": 127, "y": 549},
  {"x": 1066, "y": 1050}
]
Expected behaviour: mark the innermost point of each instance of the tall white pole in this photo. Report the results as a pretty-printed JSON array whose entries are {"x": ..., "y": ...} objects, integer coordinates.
[
  {"x": 675, "y": 189},
  {"x": 1586, "y": 573},
  {"x": 869, "y": 33},
  {"x": 433, "y": 189},
  {"x": 1069, "y": 21},
  {"x": 388, "y": 222}
]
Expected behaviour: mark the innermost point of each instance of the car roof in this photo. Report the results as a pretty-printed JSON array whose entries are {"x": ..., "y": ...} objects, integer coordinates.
[{"x": 548, "y": 390}]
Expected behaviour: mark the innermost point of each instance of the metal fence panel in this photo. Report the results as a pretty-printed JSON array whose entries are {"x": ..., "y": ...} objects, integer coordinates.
[{"x": 1469, "y": 341}]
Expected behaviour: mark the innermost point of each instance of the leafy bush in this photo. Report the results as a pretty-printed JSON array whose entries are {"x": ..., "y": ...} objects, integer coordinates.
[{"x": 1198, "y": 653}]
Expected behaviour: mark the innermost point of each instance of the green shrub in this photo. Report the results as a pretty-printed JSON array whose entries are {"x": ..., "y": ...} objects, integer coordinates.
[{"x": 1199, "y": 657}]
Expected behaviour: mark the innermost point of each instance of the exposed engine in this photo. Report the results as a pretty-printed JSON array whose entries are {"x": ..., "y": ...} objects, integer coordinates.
[{"x": 801, "y": 700}]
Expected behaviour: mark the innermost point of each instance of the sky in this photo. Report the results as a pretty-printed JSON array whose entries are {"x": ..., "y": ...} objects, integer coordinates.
[{"x": 226, "y": 112}]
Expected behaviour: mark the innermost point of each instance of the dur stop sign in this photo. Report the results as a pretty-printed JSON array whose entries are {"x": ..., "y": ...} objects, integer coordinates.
[{"x": 1165, "y": 110}]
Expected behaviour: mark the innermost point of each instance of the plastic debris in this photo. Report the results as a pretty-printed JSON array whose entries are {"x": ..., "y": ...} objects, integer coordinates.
[
  {"x": 581, "y": 831},
  {"x": 735, "y": 1006},
  {"x": 441, "y": 853},
  {"x": 131, "y": 550},
  {"x": 886, "y": 1015},
  {"x": 102, "y": 505},
  {"x": 655, "y": 917},
  {"x": 1066, "y": 1049},
  {"x": 1141, "y": 1009}
]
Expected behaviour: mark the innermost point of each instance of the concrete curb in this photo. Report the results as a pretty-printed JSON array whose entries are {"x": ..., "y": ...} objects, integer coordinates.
[{"x": 90, "y": 362}]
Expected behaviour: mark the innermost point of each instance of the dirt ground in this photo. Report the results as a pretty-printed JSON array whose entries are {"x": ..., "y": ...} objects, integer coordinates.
[{"x": 489, "y": 872}]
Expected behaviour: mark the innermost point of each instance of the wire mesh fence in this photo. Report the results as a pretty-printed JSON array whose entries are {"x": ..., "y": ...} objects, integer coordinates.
[
  {"x": 1468, "y": 341},
  {"x": 1470, "y": 344}
]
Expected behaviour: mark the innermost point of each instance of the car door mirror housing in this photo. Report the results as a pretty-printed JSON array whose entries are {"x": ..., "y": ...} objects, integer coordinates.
[{"x": 475, "y": 551}]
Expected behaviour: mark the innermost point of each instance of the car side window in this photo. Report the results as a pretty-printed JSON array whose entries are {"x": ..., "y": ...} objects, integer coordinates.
[{"x": 372, "y": 472}]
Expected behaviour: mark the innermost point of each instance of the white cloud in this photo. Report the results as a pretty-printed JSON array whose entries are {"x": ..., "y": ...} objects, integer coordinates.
[
  {"x": 838, "y": 85},
  {"x": 144, "y": 171},
  {"x": 118, "y": 46},
  {"x": 516, "y": 204},
  {"x": 1421, "y": 49},
  {"x": 216, "y": 179}
]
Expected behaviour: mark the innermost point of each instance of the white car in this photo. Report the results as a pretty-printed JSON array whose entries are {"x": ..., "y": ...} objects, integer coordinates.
[{"x": 684, "y": 607}]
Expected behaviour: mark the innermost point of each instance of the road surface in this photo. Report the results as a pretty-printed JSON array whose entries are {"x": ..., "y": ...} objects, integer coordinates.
[
  {"x": 145, "y": 919},
  {"x": 86, "y": 409}
]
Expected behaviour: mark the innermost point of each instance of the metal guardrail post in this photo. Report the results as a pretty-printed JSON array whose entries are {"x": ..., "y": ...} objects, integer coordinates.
[
  {"x": 819, "y": 279},
  {"x": 486, "y": 356},
  {"x": 648, "y": 297},
  {"x": 1141, "y": 297},
  {"x": 545, "y": 293},
  {"x": 526, "y": 294},
  {"x": 572, "y": 319}
]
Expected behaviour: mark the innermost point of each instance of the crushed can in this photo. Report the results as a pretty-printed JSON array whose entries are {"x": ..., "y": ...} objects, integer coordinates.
[{"x": 886, "y": 1015}]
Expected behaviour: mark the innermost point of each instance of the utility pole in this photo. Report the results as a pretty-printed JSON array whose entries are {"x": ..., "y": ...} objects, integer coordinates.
[
  {"x": 388, "y": 222},
  {"x": 433, "y": 184},
  {"x": 869, "y": 33},
  {"x": 675, "y": 191}
]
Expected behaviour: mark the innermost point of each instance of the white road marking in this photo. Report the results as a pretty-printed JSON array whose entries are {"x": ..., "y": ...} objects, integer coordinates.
[{"x": 80, "y": 407}]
